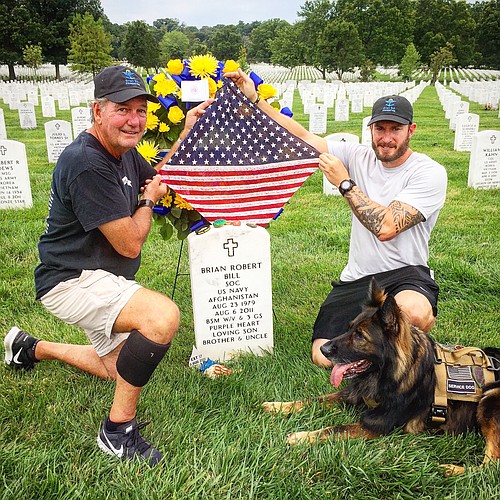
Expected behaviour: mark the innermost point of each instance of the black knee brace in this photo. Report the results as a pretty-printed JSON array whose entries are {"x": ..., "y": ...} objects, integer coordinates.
[{"x": 138, "y": 358}]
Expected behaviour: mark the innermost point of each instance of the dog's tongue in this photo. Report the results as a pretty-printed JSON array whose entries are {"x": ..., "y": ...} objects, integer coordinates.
[{"x": 338, "y": 373}]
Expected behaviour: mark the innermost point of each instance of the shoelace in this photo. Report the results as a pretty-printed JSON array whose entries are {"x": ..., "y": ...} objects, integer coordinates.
[{"x": 135, "y": 441}]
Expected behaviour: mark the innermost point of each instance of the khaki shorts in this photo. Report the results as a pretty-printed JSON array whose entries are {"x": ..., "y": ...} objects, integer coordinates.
[{"x": 93, "y": 302}]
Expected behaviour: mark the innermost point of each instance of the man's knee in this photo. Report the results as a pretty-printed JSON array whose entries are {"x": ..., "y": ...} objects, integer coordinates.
[
  {"x": 317, "y": 356},
  {"x": 417, "y": 309}
]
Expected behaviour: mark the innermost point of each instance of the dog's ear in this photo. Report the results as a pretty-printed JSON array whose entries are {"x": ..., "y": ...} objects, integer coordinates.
[
  {"x": 376, "y": 295},
  {"x": 390, "y": 315}
]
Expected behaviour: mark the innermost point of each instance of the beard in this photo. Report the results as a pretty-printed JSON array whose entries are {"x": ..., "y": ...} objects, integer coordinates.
[{"x": 394, "y": 154}]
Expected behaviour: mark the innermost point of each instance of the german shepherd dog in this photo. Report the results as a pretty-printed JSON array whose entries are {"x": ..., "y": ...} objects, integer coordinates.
[{"x": 390, "y": 368}]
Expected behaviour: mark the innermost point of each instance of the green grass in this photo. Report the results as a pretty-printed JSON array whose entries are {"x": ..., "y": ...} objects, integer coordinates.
[{"x": 217, "y": 442}]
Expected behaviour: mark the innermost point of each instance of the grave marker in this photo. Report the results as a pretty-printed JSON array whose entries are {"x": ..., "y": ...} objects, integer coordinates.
[
  {"x": 3, "y": 129},
  {"x": 317, "y": 118},
  {"x": 484, "y": 164},
  {"x": 57, "y": 136},
  {"x": 80, "y": 118},
  {"x": 231, "y": 288},
  {"x": 15, "y": 189},
  {"x": 328, "y": 187},
  {"x": 27, "y": 117},
  {"x": 467, "y": 126}
]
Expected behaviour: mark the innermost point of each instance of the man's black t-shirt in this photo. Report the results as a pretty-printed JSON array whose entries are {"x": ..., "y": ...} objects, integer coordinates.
[{"x": 89, "y": 188}]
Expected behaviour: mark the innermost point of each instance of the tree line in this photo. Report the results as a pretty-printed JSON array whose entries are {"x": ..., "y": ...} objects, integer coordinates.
[{"x": 332, "y": 36}]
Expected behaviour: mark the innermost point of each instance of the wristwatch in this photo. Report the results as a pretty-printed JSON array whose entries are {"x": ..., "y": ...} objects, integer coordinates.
[
  {"x": 345, "y": 186},
  {"x": 144, "y": 202}
]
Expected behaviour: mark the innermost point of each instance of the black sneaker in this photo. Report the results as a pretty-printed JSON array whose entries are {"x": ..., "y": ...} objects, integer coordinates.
[
  {"x": 20, "y": 349},
  {"x": 127, "y": 442}
]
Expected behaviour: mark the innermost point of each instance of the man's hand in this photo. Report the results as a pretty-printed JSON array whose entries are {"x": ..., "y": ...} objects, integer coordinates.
[
  {"x": 193, "y": 115},
  {"x": 333, "y": 168},
  {"x": 244, "y": 83}
]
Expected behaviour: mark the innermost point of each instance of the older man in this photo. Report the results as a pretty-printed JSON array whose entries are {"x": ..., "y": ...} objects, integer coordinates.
[
  {"x": 100, "y": 209},
  {"x": 395, "y": 195}
]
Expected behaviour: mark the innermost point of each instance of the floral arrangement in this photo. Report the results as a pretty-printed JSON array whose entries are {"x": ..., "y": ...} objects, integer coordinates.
[{"x": 165, "y": 121}]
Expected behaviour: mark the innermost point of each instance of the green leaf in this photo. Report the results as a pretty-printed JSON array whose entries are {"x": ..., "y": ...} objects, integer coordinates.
[{"x": 166, "y": 231}]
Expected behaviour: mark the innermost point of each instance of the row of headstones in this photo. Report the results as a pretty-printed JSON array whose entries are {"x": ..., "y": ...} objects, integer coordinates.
[{"x": 58, "y": 133}]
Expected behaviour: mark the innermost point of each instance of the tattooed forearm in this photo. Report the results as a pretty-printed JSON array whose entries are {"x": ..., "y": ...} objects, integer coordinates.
[
  {"x": 384, "y": 222},
  {"x": 369, "y": 213},
  {"x": 404, "y": 216}
]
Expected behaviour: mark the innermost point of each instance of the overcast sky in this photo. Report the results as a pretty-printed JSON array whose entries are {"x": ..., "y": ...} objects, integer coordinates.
[{"x": 201, "y": 12}]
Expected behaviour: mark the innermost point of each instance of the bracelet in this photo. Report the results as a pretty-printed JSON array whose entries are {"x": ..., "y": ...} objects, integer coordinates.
[
  {"x": 256, "y": 100},
  {"x": 145, "y": 202}
]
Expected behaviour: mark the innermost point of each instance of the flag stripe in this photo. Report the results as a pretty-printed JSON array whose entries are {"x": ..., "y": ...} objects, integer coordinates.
[{"x": 237, "y": 163}]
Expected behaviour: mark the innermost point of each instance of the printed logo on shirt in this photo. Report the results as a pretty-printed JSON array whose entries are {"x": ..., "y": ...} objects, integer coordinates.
[{"x": 126, "y": 181}]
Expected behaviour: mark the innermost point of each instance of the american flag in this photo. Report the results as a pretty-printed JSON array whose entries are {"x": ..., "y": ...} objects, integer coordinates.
[{"x": 237, "y": 163}]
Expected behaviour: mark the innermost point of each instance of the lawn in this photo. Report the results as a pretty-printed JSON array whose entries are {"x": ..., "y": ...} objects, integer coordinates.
[{"x": 216, "y": 440}]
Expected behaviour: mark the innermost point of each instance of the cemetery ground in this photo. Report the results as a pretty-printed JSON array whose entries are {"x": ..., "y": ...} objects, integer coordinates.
[{"x": 216, "y": 440}]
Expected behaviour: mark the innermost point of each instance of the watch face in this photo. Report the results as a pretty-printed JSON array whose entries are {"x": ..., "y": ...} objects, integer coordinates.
[{"x": 345, "y": 184}]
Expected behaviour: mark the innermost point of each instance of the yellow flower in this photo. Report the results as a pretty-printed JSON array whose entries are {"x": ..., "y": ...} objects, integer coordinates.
[
  {"x": 182, "y": 203},
  {"x": 230, "y": 66},
  {"x": 148, "y": 150},
  {"x": 175, "y": 114},
  {"x": 153, "y": 106},
  {"x": 203, "y": 66},
  {"x": 165, "y": 87},
  {"x": 266, "y": 91},
  {"x": 151, "y": 121},
  {"x": 212, "y": 87},
  {"x": 163, "y": 127},
  {"x": 175, "y": 66},
  {"x": 166, "y": 201}
]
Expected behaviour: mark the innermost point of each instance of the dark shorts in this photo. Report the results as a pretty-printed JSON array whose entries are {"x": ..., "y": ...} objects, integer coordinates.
[{"x": 346, "y": 299}]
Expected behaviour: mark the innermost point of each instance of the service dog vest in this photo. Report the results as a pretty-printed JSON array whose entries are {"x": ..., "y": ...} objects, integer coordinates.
[{"x": 461, "y": 374}]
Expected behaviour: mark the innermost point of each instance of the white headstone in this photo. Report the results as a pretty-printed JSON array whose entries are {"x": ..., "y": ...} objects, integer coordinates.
[
  {"x": 3, "y": 130},
  {"x": 57, "y": 136},
  {"x": 80, "y": 118},
  {"x": 317, "y": 118},
  {"x": 366, "y": 133},
  {"x": 231, "y": 288},
  {"x": 15, "y": 189},
  {"x": 357, "y": 103},
  {"x": 459, "y": 108},
  {"x": 466, "y": 127},
  {"x": 48, "y": 106},
  {"x": 484, "y": 164},
  {"x": 328, "y": 187},
  {"x": 27, "y": 117},
  {"x": 341, "y": 110}
]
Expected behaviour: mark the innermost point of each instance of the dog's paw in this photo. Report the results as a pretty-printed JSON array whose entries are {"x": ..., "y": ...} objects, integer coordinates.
[
  {"x": 451, "y": 470},
  {"x": 302, "y": 437},
  {"x": 282, "y": 407}
]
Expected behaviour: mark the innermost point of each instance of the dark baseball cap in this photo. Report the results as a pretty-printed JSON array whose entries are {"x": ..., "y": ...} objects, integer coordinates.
[
  {"x": 393, "y": 108},
  {"x": 120, "y": 84}
]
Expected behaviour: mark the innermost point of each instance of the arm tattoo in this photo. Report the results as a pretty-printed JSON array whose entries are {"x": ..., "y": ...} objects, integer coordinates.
[
  {"x": 404, "y": 216},
  {"x": 373, "y": 215}
]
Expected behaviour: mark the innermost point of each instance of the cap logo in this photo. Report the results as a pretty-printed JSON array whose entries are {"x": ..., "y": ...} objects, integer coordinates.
[
  {"x": 390, "y": 106},
  {"x": 130, "y": 78}
]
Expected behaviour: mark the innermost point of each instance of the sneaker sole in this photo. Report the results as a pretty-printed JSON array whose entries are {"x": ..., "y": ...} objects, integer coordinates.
[
  {"x": 104, "y": 448},
  {"x": 8, "y": 341}
]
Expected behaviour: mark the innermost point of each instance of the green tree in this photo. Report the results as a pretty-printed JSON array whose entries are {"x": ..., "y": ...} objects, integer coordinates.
[
  {"x": 52, "y": 20},
  {"x": 90, "y": 46},
  {"x": 33, "y": 57},
  {"x": 339, "y": 47},
  {"x": 367, "y": 70},
  {"x": 440, "y": 59},
  {"x": 259, "y": 48},
  {"x": 410, "y": 62},
  {"x": 225, "y": 43},
  {"x": 174, "y": 45},
  {"x": 487, "y": 17},
  {"x": 287, "y": 47},
  {"x": 385, "y": 26},
  {"x": 139, "y": 46},
  {"x": 18, "y": 29},
  {"x": 445, "y": 21}
]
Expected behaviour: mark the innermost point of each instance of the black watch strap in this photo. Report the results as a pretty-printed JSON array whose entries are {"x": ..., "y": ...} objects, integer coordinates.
[
  {"x": 348, "y": 183},
  {"x": 144, "y": 202}
]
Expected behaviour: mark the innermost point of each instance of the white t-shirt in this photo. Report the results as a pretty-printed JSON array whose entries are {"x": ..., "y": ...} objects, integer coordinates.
[{"x": 419, "y": 182}]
